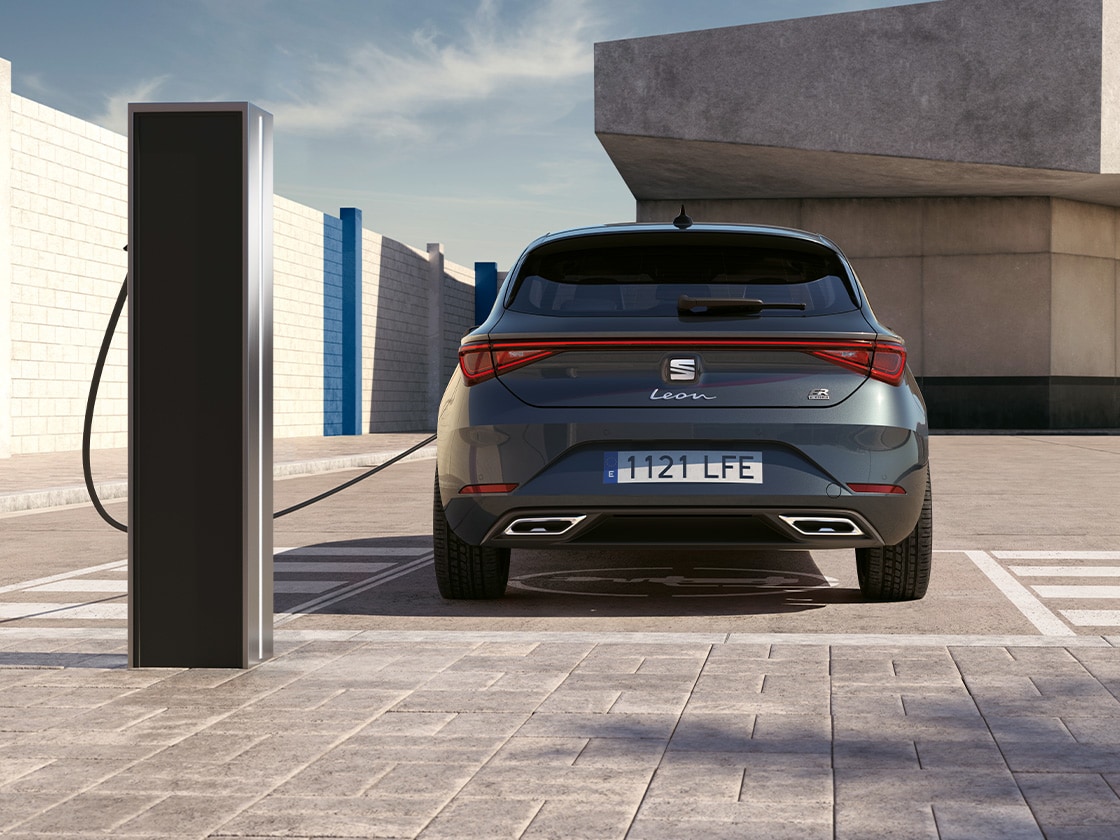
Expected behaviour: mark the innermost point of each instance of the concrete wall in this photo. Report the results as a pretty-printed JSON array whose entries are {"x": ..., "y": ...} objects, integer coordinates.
[
  {"x": 396, "y": 363},
  {"x": 1008, "y": 82},
  {"x": 68, "y": 227},
  {"x": 62, "y": 264},
  {"x": 297, "y": 320},
  {"x": 957, "y": 97},
  {"x": 1009, "y": 306},
  {"x": 5, "y": 259}
]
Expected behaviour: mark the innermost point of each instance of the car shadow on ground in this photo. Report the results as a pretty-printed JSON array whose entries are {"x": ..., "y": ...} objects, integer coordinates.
[{"x": 607, "y": 583}]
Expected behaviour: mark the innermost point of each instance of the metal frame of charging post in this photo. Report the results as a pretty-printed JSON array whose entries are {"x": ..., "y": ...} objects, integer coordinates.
[{"x": 200, "y": 385}]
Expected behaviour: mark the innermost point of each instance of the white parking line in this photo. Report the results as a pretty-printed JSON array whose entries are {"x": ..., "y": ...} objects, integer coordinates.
[
  {"x": 348, "y": 551},
  {"x": 316, "y": 604},
  {"x": 374, "y": 572},
  {"x": 1066, "y": 571},
  {"x": 1056, "y": 555},
  {"x": 304, "y": 587},
  {"x": 1077, "y": 591},
  {"x": 1093, "y": 618},
  {"x": 282, "y": 567},
  {"x": 69, "y": 612},
  {"x": 104, "y": 567},
  {"x": 1047, "y": 623},
  {"x": 82, "y": 585}
]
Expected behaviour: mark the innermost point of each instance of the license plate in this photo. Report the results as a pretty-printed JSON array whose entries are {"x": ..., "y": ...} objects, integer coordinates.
[{"x": 693, "y": 466}]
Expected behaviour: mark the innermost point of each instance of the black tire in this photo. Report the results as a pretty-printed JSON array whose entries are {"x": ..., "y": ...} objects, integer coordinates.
[
  {"x": 465, "y": 571},
  {"x": 900, "y": 572}
]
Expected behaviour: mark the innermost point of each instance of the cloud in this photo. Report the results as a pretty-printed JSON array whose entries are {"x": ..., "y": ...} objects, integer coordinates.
[
  {"x": 500, "y": 71},
  {"x": 115, "y": 115},
  {"x": 35, "y": 83}
]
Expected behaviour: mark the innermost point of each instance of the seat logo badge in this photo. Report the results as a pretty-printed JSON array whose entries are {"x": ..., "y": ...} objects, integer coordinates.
[
  {"x": 819, "y": 394},
  {"x": 682, "y": 369}
]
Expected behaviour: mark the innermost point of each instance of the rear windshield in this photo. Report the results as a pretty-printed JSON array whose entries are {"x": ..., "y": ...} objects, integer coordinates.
[{"x": 645, "y": 275}]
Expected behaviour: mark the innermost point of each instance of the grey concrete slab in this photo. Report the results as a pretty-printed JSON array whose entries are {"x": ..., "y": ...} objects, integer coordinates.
[
  {"x": 957, "y": 821},
  {"x": 881, "y": 753},
  {"x": 480, "y": 819},
  {"x": 675, "y": 784},
  {"x": 558, "y": 821},
  {"x": 672, "y": 829},
  {"x": 580, "y": 700}
]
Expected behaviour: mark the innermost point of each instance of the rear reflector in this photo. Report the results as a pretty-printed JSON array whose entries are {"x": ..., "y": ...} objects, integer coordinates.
[
  {"x": 489, "y": 488},
  {"x": 876, "y": 488}
]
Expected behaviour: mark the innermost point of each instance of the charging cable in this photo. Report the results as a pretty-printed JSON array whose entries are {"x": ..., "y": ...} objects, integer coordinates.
[{"x": 87, "y": 432}]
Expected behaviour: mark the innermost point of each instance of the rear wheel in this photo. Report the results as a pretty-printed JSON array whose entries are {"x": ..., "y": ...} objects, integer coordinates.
[
  {"x": 465, "y": 571},
  {"x": 900, "y": 572}
]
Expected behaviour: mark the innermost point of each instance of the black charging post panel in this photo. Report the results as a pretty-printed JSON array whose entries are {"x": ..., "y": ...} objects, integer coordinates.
[{"x": 200, "y": 385}]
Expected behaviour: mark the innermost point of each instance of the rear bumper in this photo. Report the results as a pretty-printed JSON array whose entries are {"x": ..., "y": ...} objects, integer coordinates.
[
  {"x": 556, "y": 459},
  {"x": 683, "y": 526}
]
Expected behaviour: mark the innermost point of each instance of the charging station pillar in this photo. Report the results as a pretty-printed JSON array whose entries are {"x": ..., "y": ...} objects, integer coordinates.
[{"x": 200, "y": 385}]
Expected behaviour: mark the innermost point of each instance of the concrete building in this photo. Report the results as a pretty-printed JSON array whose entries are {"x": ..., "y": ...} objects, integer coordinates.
[{"x": 965, "y": 154}]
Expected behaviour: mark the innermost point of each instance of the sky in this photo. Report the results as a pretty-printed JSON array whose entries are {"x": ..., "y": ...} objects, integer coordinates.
[{"x": 469, "y": 123}]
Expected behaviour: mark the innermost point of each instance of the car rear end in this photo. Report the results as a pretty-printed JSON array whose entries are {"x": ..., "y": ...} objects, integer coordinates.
[{"x": 656, "y": 386}]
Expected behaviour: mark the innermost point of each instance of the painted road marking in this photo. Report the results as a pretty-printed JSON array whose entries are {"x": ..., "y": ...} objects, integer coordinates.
[
  {"x": 304, "y": 587},
  {"x": 82, "y": 585},
  {"x": 89, "y": 570},
  {"x": 1081, "y": 566},
  {"x": 1093, "y": 618},
  {"x": 292, "y": 566},
  {"x": 1020, "y": 597},
  {"x": 317, "y": 604},
  {"x": 373, "y": 571},
  {"x": 79, "y": 612},
  {"x": 377, "y": 572},
  {"x": 1056, "y": 555},
  {"x": 1077, "y": 591},
  {"x": 348, "y": 551}
]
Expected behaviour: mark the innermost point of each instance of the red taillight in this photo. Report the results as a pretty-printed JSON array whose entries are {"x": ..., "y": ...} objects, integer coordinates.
[
  {"x": 476, "y": 363},
  {"x": 885, "y": 362},
  {"x": 480, "y": 362},
  {"x": 889, "y": 363},
  {"x": 880, "y": 360},
  {"x": 876, "y": 488},
  {"x": 488, "y": 488}
]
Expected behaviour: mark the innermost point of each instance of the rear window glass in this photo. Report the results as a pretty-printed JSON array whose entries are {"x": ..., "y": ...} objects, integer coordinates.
[{"x": 643, "y": 275}]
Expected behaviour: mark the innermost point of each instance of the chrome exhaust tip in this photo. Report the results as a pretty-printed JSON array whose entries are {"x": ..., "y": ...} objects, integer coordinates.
[
  {"x": 543, "y": 526},
  {"x": 823, "y": 526}
]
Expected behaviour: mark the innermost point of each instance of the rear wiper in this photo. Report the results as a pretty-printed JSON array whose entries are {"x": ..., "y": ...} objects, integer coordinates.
[{"x": 718, "y": 306}]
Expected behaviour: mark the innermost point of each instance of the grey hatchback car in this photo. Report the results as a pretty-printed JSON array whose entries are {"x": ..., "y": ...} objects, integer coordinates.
[{"x": 682, "y": 384}]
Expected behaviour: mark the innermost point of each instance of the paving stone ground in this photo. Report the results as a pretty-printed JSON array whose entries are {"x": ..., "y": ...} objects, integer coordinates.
[
  {"x": 387, "y": 735},
  {"x": 532, "y": 734}
]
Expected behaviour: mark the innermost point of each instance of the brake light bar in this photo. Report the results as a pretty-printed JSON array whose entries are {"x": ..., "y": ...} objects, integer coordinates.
[{"x": 885, "y": 361}]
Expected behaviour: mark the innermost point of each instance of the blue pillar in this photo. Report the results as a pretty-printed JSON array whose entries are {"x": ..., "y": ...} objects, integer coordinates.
[
  {"x": 351, "y": 320},
  {"x": 485, "y": 289},
  {"x": 332, "y": 326}
]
